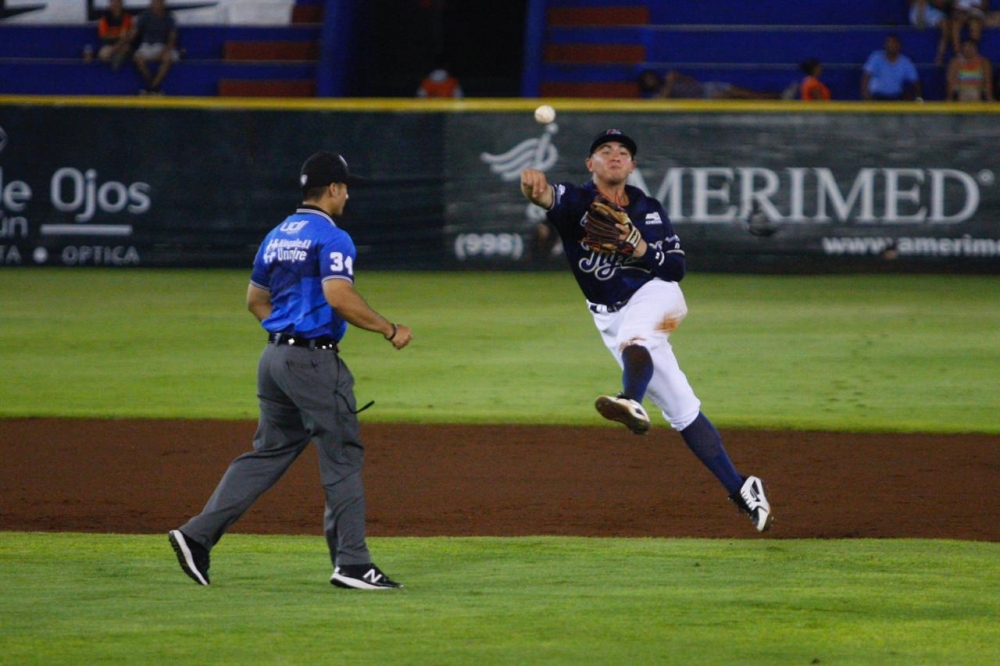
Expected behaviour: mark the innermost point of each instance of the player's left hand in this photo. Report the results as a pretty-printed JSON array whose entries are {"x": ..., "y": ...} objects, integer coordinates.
[{"x": 609, "y": 230}]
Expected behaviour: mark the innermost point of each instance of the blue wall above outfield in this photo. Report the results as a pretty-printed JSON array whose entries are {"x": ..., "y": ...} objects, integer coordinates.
[
  {"x": 198, "y": 41},
  {"x": 743, "y": 44},
  {"x": 810, "y": 12},
  {"x": 748, "y": 12},
  {"x": 200, "y": 79},
  {"x": 47, "y": 59}
]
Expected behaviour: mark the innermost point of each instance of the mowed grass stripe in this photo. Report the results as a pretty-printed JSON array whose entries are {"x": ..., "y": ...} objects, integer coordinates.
[
  {"x": 861, "y": 353},
  {"x": 75, "y": 598}
]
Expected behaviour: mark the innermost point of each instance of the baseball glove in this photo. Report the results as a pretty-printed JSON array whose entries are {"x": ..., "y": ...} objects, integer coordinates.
[{"x": 605, "y": 224}]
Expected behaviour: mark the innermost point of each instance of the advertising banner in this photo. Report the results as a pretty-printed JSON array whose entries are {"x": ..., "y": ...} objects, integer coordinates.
[
  {"x": 753, "y": 191},
  {"x": 188, "y": 186},
  {"x": 105, "y": 186}
]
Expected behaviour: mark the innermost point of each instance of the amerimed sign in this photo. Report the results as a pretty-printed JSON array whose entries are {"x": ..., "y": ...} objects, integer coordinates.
[{"x": 166, "y": 185}]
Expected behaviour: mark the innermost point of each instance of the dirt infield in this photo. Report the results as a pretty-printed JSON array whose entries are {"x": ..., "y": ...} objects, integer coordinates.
[{"x": 148, "y": 476}]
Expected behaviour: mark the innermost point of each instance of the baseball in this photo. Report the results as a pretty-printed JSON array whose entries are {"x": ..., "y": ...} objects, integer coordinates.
[{"x": 545, "y": 114}]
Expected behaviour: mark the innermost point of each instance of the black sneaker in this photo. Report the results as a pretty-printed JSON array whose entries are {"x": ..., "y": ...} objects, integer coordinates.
[
  {"x": 192, "y": 556},
  {"x": 362, "y": 577}
]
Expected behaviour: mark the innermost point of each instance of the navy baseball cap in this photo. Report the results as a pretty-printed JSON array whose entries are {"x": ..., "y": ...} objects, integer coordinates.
[
  {"x": 323, "y": 168},
  {"x": 610, "y": 135}
]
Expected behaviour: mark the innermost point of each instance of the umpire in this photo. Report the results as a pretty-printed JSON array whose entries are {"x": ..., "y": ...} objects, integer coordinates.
[{"x": 302, "y": 292}]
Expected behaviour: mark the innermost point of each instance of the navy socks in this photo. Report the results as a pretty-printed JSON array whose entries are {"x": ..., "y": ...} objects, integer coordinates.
[
  {"x": 706, "y": 443},
  {"x": 701, "y": 436},
  {"x": 637, "y": 372}
]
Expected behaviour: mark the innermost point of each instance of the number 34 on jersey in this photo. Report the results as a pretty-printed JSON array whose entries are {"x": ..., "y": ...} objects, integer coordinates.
[{"x": 341, "y": 264}]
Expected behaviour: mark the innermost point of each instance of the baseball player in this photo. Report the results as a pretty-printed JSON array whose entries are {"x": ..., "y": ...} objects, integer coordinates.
[
  {"x": 628, "y": 262},
  {"x": 302, "y": 291}
]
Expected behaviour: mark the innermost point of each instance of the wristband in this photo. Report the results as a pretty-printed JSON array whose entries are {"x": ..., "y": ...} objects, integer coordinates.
[{"x": 395, "y": 329}]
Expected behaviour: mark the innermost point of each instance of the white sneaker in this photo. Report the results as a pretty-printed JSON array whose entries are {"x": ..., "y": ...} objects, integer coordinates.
[
  {"x": 751, "y": 500},
  {"x": 624, "y": 410}
]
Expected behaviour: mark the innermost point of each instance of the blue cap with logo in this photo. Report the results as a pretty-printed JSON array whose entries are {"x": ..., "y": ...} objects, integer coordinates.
[{"x": 610, "y": 135}]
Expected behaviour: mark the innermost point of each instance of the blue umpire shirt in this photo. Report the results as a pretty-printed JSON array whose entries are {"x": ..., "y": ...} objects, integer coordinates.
[{"x": 293, "y": 261}]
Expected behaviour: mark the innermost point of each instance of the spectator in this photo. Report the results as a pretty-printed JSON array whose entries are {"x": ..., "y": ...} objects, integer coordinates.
[
  {"x": 156, "y": 32},
  {"x": 114, "y": 30},
  {"x": 682, "y": 86},
  {"x": 970, "y": 75},
  {"x": 970, "y": 13},
  {"x": 933, "y": 14},
  {"x": 889, "y": 74},
  {"x": 812, "y": 88},
  {"x": 439, "y": 83},
  {"x": 650, "y": 84}
]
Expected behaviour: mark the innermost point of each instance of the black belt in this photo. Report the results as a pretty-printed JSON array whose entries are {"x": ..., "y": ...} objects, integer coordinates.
[
  {"x": 299, "y": 341},
  {"x": 600, "y": 308}
]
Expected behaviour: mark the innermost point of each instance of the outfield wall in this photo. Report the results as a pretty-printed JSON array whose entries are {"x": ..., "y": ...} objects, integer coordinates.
[{"x": 196, "y": 183}]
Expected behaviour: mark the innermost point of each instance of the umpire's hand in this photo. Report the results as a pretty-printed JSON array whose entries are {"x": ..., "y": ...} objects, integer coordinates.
[{"x": 401, "y": 337}]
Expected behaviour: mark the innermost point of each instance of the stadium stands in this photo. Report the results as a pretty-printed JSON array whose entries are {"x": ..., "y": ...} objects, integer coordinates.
[
  {"x": 573, "y": 48},
  {"x": 217, "y": 60},
  {"x": 596, "y": 48}
]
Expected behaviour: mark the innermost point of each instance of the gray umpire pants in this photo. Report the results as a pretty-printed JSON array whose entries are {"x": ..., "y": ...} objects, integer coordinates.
[{"x": 305, "y": 395}]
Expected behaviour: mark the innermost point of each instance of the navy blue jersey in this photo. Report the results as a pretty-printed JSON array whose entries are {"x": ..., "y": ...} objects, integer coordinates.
[
  {"x": 609, "y": 279},
  {"x": 293, "y": 261}
]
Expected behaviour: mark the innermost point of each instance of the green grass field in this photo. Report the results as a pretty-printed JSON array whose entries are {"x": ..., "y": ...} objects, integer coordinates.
[
  {"x": 851, "y": 353},
  {"x": 894, "y": 353},
  {"x": 505, "y": 601}
]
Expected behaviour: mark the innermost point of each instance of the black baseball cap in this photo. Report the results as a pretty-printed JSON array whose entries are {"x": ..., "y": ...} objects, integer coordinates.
[
  {"x": 610, "y": 135},
  {"x": 323, "y": 168}
]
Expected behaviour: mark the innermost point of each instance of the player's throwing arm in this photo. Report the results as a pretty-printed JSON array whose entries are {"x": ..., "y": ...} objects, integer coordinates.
[{"x": 536, "y": 189}]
